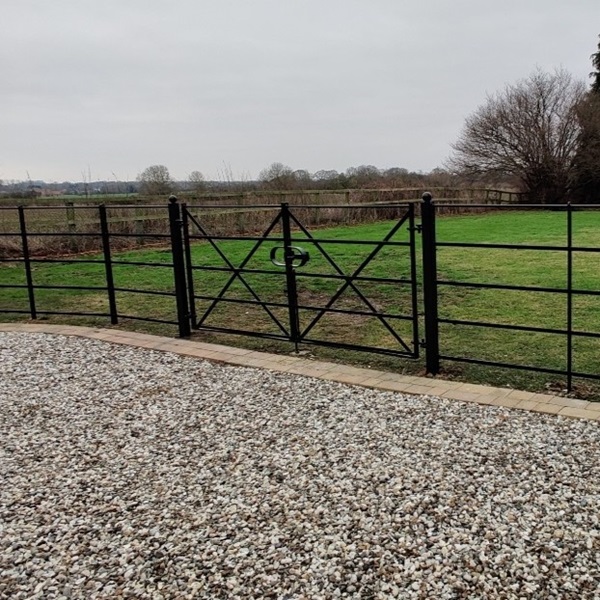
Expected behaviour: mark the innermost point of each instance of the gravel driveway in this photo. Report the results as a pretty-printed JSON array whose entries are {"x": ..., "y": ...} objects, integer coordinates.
[{"x": 127, "y": 473}]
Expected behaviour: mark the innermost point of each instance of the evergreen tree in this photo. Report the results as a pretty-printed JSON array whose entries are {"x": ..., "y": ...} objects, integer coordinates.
[
  {"x": 595, "y": 75},
  {"x": 588, "y": 152}
]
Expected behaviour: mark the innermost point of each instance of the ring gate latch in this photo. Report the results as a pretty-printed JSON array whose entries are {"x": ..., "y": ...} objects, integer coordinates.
[{"x": 299, "y": 257}]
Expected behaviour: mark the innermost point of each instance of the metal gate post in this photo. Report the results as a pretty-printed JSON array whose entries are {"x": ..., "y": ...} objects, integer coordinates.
[
  {"x": 176, "y": 224},
  {"x": 188, "y": 265},
  {"x": 110, "y": 282},
  {"x": 430, "y": 299},
  {"x": 569, "y": 297},
  {"x": 27, "y": 263},
  {"x": 290, "y": 276}
]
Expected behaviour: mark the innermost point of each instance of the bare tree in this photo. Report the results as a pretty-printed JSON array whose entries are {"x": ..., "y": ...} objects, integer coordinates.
[
  {"x": 278, "y": 176},
  {"x": 530, "y": 131},
  {"x": 363, "y": 176},
  {"x": 197, "y": 181},
  {"x": 156, "y": 180}
]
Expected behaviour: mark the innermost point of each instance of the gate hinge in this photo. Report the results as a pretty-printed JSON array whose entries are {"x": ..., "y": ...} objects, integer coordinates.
[
  {"x": 418, "y": 228},
  {"x": 422, "y": 343}
]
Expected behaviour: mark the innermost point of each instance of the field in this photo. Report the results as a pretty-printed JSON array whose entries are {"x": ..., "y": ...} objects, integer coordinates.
[{"x": 513, "y": 267}]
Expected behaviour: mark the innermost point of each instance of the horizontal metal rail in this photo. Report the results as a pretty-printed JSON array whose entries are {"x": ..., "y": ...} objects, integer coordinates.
[
  {"x": 492, "y": 246},
  {"x": 503, "y": 205},
  {"x": 491, "y": 363},
  {"x": 529, "y": 328},
  {"x": 508, "y": 326},
  {"x": 530, "y": 368},
  {"x": 501, "y": 286},
  {"x": 344, "y": 311},
  {"x": 144, "y": 236},
  {"x": 357, "y": 347},
  {"x": 303, "y": 274},
  {"x": 72, "y": 313},
  {"x": 486, "y": 246},
  {"x": 137, "y": 263},
  {"x": 75, "y": 261},
  {"x": 258, "y": 238},
  {"x": 56, "y": 287},
  {"x": 148, "y": 292},
  {"x": 64, "y": 206},
  {"x": 518, "y": 288},
  {"x": 87, "y": 288},
  {"x": 55, "y": 234},
  {"x": 314, "y": 342},
  {"x": 277, "y": 207},
  {"x": 148, "y": 319}
]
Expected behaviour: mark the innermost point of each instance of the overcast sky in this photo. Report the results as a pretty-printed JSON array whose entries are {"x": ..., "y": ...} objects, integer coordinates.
[{"x": 230, "y": 86}]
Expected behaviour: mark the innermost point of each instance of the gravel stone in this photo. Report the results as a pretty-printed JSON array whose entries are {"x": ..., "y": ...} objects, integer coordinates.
[{"x": 129, "y": 473}]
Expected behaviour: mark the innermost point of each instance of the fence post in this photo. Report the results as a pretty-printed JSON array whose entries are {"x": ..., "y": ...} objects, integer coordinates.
[
  {"x": 430, "y": 300},
  {"x": 175, "y": 224},
  {"x": 569, "y": 297},
  {"x": 27, "y": 262},
  {"x": 110, "y": 282},
  {"x": 71, "y": 224}
]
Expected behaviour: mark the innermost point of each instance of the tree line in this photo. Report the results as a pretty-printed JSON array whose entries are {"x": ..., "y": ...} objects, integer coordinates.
[{"x": 156, "y": 180}]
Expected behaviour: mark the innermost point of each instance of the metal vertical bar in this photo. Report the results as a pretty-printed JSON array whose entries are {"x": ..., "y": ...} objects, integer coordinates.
[
  {"x": 569, "y": 297},
  {"x": 290, "y": 276},
  {"x": 188, "y": 264},
  {"x": 175, "y": 224},
  {"x": 413, "y": 279},
  {"x": 110, "y": 282},
  {"x": 430, "y": 298},
  {"x": 27, "y": 262}
]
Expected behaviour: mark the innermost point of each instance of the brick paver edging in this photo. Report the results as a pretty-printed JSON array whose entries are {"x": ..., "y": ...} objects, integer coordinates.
[{"x": 468, "y": 392}]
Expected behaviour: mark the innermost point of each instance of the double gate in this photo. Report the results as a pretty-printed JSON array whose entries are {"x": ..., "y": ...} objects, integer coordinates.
[{"x": 295, "y": 281}]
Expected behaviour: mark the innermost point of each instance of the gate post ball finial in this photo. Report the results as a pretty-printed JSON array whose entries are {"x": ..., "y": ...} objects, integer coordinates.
[
  {"x": 427, "y": 197},
  {"x": 172, "y": 199}
]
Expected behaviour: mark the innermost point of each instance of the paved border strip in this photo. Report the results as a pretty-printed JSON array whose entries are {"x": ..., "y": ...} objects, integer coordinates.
[{"x": 467, "y": 392}]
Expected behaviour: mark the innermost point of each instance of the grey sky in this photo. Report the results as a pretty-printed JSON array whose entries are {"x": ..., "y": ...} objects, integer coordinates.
[{"x": 218, "y": 85}]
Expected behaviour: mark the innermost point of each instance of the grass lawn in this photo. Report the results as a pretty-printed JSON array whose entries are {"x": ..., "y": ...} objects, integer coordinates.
[{"x": 485, "y": 265}]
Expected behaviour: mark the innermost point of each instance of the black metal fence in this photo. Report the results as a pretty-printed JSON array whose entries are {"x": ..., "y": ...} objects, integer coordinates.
[
  {"x": 287, "y": 247},
  {"x": 16, "y": 250},
  {"x": 433, "y": 283}
]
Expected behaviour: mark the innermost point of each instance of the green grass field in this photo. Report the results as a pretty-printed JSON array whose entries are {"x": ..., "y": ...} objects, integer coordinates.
[{"x": 514, "y": 267}]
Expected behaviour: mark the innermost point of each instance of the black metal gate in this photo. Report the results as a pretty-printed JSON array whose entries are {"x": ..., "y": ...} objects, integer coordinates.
[{"x": 290, "y": 283}]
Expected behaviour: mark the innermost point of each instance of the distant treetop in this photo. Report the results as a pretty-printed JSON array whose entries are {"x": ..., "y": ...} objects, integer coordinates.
[{"x": 156, "y": 180}]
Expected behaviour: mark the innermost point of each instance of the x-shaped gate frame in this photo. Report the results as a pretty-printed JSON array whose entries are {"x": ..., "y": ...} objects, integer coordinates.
[
  {"x": 236, "y": 273},
  {"x": 350, "y": 280}
]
